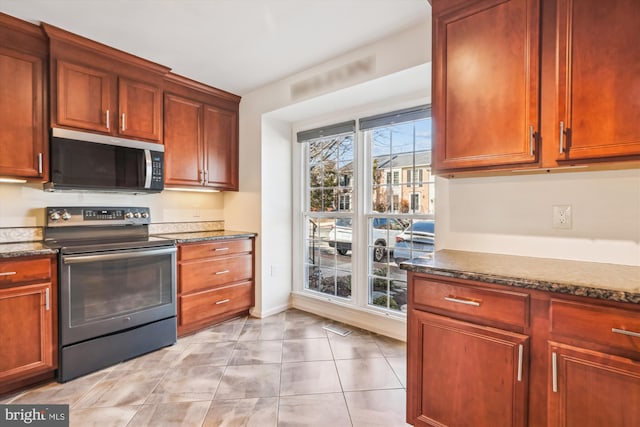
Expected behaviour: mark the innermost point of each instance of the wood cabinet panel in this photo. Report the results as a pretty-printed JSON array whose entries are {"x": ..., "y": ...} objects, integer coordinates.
[
  {"x": 182, "y": 141},
  {"x": 486, "y": 68},
  {"x": 612, "y": 327},
  {"x": 201, "y": 135},
  {"x": 84, "y": 97},
  {"x": 215, "y": 282},
  {"x": 22, "y": 127},
  {"x": 140, "y": 109},
  {"x": 214, "y": 249},
  {"x": 593, "y": 389},
  {"x": 201, "y": 306},
  {"x": 454, "y": 380},
  {"x": 26, "y": 332},
  {"x": 211, "y": 273},
  {"x": 13, "y": 272},
  {"x": 507, "y": 307},
  {"x": 221, "y": 148},
  {"x": 598, "y": 78}
]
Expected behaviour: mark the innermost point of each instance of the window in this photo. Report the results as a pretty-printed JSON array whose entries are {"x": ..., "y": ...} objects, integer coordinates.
[
  {"x": 357, "y": 201},
  {"x": 328, "y": 209}
]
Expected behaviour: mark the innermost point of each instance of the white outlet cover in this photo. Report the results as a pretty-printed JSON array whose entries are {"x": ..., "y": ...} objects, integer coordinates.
[{"x": 562, "y": 217}]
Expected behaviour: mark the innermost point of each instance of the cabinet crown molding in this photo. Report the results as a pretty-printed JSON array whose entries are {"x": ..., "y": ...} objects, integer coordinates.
[{"x": 58, "y": 34}]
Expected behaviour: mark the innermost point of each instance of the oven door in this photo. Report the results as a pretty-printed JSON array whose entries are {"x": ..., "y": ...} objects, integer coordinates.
[{"x": 107, "y": 292}]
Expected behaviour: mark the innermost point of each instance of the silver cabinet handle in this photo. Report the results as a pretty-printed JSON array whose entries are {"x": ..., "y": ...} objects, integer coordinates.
[
  {"x": 123, "y": 122},
  {"x": 224, "y": 301},
  {"x": 107, "y": 119},
  {"x": 624, "y": 332},
  {"x": 206, "y": 177},
  {"x": 8, "y": 273},
  {"x": 46, "y": 299},
  {"x": 462, "y": 301},
  {"x": 222, "y": 272},
  {"x": 561, "y": 137},
  {"x": 220, "y": 249},
  {"x": 39, "y": 162},
  {"x": 531, "y": 140},
  {"x": 201, "y": 177},
  {"x": 554, "y": 372},
  {"x": 520, "y": 356}
]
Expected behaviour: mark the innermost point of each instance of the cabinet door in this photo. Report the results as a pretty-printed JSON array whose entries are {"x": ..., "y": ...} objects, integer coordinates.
[
  {"x": 464, "y": 374},
  {"x": 486, "y": 90},
  {"x": 139, "y": 109},
  {"x": 592, "y": 389},
  {"x": 598, "y": 78},
  {"x": 25, "y": 316},
  {"x": 84, "y": 98},
  {"x": 21, "y": 114},
  {"x": 221, "y": 148},
  {"x": 183, "y": 141}
]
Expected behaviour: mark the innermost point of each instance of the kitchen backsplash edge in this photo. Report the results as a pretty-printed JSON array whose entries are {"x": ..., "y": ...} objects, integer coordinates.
[{"x": 34, "y": 234}]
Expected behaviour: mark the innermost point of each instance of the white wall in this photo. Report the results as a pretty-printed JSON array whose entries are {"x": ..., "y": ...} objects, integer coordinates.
[
  {"x": 252, "y": 208},
  {"x": 23, "y": 205},
  {"x": 513, "y": 215}
]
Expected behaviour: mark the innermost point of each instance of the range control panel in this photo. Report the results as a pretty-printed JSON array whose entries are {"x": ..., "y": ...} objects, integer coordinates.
[{"x": 79, "y": 216}]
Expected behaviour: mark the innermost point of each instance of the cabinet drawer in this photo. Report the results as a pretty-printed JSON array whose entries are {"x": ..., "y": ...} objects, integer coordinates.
[
  {"x": 613, "y": 327},
  {"x": 506, "y": 307},
  {"x": 210, "y": 273},
  {"x": 214, "y": 249},
  {"x": 16, "y": 271},
  {"x": 207, "y": 304}
]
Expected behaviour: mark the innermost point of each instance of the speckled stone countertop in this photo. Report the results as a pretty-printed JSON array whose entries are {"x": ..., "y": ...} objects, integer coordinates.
[
  {"x": 201, "y": 236},
  {"x": 596, "y": 280},
  {"x": 11, "y": 250}
]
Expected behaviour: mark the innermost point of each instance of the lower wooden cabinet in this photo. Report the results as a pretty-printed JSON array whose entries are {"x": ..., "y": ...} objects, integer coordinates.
[
  {"x": 592, "y": 389},
  {"x": 28, "y": 318},
  {"x": 215, "y": 282},
  {"x": 482, "y": 354},
  {"x": 455, "y": 380}
]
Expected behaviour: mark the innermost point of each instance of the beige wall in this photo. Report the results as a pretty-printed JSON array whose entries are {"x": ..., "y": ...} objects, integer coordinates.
[{"x": 513, "y": 215}]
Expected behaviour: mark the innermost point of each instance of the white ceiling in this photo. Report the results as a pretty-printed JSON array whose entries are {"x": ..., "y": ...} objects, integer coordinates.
[{"x": 234, "y": 45}]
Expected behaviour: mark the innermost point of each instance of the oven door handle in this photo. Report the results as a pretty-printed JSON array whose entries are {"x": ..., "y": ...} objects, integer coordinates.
[{"x": 78, "y": 259}]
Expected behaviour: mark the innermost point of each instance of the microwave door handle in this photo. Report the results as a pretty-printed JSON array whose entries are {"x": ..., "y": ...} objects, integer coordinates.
[
  {"x": 148, "y": 169},
  {"x": 79, "y": 259}
]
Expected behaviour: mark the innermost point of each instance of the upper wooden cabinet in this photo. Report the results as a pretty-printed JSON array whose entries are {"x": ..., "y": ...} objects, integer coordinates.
[
  {"x": 485, "y": 88},
  {"x": 100, "y": 89},
  {"x": 23, "y": 86},
  {"x": 200, "y": 135},
  {"x": 598, "y": 79},
  {"x": 529, "y": 84}
]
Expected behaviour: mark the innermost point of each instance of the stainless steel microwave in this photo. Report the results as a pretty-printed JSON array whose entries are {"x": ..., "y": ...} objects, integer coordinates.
[{"x": 83, "y": 161}]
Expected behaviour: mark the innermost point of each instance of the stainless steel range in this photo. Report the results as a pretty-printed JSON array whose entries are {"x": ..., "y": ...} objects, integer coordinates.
[{"x": 117, "y": 286}]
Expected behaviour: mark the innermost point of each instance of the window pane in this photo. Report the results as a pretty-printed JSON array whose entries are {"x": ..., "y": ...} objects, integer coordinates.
[{"x": 401, "y": 185}]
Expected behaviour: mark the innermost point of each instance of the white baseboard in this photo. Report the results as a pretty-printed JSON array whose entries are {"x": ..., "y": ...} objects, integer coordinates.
[
  {"x": 275, "y": 310},
  {"x": 394, "y": 327}
]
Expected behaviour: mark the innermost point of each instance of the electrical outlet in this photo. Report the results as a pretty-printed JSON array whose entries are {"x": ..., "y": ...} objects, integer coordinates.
[{"x": 562, "y": 217}]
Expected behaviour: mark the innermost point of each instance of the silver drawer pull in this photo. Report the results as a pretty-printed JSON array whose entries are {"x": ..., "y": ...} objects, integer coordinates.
[
  {"x": 224, "y": 301},
  {"x": 623, "y": 332},
  {"x": 520, "y": 357},
  {"x": 220, "y": 249},
  {"x": 46, "y": 300},
  {"x": 8, "y": 273},
  {"x": 554, "y": 372},
  {"x": 462, "y": 301},
  {"x": 222, "y": 272}
]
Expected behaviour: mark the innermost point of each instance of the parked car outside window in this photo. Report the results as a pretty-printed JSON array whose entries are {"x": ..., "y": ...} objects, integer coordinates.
[
  {"x": 340, "y": 236},
  {"x": 417, "y": 241}
]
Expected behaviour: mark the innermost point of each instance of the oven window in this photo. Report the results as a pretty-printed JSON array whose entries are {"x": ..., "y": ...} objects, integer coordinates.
[{"x": 100, "y": 290}]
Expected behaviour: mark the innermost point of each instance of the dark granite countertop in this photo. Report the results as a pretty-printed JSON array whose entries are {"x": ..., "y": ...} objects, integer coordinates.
[
  {"x": 201, "y": 236},
  {"x": 11, "y": 250},
  {"x": 591, "y": 279}
]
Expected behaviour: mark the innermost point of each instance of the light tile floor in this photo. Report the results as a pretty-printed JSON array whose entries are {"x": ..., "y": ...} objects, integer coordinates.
[{"x": 284, "y": 370}]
